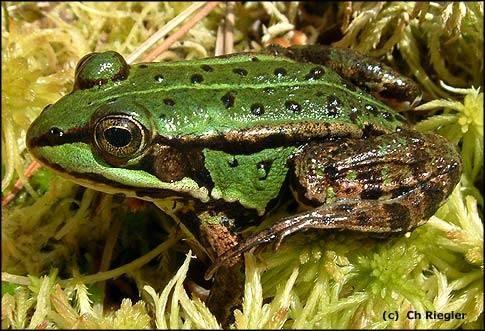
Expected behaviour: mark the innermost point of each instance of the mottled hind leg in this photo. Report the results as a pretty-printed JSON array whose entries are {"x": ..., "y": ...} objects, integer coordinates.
[
  {"x": 385, "y": 83},
  {"x": 386, "y": 184}
]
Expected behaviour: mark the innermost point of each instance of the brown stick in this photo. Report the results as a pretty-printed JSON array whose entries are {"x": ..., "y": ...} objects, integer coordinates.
[
  {"x": 166, "y": 29},
  {"x": 180, "y": 32},
  {"x": 31, "y": 169},
  {"x": 219, "y": 49},
  {"x": 229, "y": 28}
]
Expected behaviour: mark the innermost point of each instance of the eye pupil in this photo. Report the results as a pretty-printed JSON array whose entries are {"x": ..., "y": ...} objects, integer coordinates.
[{"x": 118, "y": 137}]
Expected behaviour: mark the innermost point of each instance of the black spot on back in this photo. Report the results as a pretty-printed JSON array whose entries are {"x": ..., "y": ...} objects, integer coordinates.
[
  {"x": 158, "y": 78},
  {"x": 354, "y": 114},
  {"x": 372, "y": 109},
  {"x": 387, "y": 116},
  {"x": 280, "y": 72},
  {"x": 266, "y": 166},
  {"x": 347, "y": 208},
  {"x": 432, "y": 198},
  {"x": 240, "y": 71},
  {"x": 196, "y": 78},
  {"x": 370, "y": 131},
  {"x": 233, "y": 163},
  {"x": 331, "y": 172},
  {"x": 315, "y": 73},
  {"x": 293, "y": 106},
  {"x": 169, "y": 102},
  {"x": 257, "y": 109},
  {"x": 207, "y": 68},
  {"x": 363, "y": 219},
  {"x": 334, "y": 106},
  {"x": 400, "y": 191},
  {"x": 228, "y": 100}
]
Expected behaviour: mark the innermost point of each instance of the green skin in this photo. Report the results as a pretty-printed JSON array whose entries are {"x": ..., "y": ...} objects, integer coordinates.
[{"x": 227, "y": 137}]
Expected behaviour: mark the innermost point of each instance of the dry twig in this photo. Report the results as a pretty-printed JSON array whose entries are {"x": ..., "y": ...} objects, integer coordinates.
[
  {"x": 167, "y": 28},
  {"x": 229, "y": 28},
  {"x": 31, "y": 169},
  {"x": 181, "y": 32}
]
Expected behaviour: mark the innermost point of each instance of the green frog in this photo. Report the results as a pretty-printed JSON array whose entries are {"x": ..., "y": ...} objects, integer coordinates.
[{"x": 220, "y": 142}]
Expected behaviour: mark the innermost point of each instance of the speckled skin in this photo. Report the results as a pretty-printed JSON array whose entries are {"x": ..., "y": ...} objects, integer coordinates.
[{"x": 226, "y": 135}]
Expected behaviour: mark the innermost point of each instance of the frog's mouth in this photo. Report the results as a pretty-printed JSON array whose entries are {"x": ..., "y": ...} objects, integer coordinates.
[{"x": 76, "y": 162}]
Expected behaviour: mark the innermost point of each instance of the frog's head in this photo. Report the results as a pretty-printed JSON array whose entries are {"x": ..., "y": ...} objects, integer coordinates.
[{"x": 97, "y": 136}]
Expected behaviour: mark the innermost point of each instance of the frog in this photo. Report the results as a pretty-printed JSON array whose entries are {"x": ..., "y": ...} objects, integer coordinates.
[{"x": 221, "y": 142}]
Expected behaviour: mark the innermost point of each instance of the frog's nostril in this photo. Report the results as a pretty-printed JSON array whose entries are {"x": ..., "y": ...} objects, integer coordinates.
[
  {"x": 56, "y": 132},
  {"x": 53, "y": 135}
]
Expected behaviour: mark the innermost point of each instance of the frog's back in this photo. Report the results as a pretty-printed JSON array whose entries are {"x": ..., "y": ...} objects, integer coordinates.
[{"x": 250, "y": 94}]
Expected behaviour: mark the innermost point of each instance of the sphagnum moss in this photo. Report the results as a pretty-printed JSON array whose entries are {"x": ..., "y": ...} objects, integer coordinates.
[{"x": 316, "y": 280}]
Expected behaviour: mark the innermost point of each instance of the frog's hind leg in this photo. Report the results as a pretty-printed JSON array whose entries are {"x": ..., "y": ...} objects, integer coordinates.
[
  {"x": 385, "y": 83},
  {"x": 386, "y": 184}
]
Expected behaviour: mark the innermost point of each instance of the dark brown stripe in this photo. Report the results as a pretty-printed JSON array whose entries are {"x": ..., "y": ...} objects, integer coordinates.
[
  {"x": 432, "y": 198},
  {"x": 258, "y": 138},
  {"x": 373, "y": 192},
  {"x": 399, "y": 216},
  {"x": 52, "y": 138}
]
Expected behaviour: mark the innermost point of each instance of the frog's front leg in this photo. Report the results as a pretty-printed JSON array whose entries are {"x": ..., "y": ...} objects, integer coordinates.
[
  {"x": 385, "y": 184},
  {"x": 216, "y": 233},
  {"x": 385, "y": 83}
]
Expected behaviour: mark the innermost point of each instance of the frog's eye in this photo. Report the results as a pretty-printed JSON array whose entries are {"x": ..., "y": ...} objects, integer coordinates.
[
  {"x": 100, "y": 68},
  {"x": 119, "y": 138}
]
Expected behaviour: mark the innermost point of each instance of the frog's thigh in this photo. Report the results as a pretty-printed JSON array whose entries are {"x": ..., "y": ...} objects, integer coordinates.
[
  {"x": 388, "y": 183},
  {"x": 383, "y": 168}
]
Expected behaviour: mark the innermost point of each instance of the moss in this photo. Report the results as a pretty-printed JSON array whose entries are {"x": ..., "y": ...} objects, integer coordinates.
[{"x": 67, "y": 251}]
